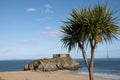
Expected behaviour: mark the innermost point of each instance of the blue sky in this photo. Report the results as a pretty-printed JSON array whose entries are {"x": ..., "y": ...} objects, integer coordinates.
[{"x": 29, "y": 29}]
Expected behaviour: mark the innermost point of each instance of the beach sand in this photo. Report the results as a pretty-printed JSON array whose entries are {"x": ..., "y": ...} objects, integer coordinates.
[{"x": 38, "y": 75}]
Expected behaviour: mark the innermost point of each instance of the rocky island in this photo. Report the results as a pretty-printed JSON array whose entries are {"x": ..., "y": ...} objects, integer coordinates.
[{"x": 58, "y": 62}]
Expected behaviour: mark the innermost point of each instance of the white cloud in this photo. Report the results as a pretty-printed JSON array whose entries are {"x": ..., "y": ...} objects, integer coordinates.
[
  {"x": 47, "y": 8},
  {"x": 2, "y": 46},
  {"x": 44, "y": 19},
  {"x": 50, "y": 33},
  {"x": 31, "y": 9},
  {"x": 6, "y": 51},
  {"x": 25, "y": 41},
  {"x": 48, "y": 28}
]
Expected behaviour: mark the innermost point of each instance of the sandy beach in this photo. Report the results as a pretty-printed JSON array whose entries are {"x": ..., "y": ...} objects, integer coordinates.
[{"x": 56, "y": 75}]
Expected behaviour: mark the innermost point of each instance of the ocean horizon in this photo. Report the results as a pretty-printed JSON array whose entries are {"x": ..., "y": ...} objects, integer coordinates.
[{"x": 103, "y": 67}]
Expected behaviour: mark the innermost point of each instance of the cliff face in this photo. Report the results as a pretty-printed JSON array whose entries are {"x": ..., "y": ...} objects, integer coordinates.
[{"x": 58, "y": 62}]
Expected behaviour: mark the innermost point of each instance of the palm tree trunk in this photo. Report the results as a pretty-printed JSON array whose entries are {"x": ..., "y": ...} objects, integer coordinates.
[
  {"x": 89, "y": 66},
  {"x": 91, "y": 71},
  {"x": 85, "y": 58}
]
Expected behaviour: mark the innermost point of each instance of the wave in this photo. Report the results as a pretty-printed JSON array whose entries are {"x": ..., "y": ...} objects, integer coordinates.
[{"x": 104, "y": 75}]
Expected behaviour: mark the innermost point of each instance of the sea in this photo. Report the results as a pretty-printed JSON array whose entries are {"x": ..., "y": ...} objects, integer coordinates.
[{"x": 103, "y": 67}]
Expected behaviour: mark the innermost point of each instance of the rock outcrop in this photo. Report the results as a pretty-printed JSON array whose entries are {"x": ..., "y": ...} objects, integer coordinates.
[{"x": 58, "y": 62}]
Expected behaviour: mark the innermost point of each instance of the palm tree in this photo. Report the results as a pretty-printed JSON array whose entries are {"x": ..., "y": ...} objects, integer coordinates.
[{"x": 87, "y": 28}]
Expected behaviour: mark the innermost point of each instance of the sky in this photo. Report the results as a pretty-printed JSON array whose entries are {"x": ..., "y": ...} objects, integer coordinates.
[{"x": 30, "y": 29}]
